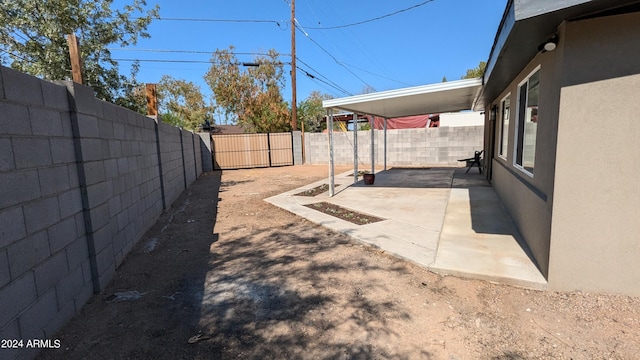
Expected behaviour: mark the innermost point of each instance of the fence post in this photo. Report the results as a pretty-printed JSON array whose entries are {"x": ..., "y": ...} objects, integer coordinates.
[{"x": 269, "y": 147}]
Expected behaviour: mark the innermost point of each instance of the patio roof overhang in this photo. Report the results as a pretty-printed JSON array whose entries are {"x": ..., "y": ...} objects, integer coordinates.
[{"x": 426, "y": 99}]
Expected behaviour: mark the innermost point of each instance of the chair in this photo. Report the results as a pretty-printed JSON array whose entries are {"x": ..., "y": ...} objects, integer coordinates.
[{"x": 476, "y": 159}]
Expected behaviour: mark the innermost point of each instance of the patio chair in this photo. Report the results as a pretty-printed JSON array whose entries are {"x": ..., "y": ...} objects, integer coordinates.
[{"x": 476, "y": 159}]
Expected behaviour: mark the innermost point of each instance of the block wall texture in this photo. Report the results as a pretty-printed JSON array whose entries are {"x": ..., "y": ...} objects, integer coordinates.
[
  {"x": 80, "y": 183},
  {"x": 406, "y": 147},
  {"x": 297, "y": 148}
]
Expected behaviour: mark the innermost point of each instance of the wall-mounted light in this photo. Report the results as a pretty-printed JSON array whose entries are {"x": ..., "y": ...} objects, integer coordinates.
[{"x": 549, "y": 45}]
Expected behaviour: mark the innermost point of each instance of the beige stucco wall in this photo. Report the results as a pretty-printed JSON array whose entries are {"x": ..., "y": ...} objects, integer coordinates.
[
  {"x": 528, "y": 199},
  {"x": 595, "y": 233}
]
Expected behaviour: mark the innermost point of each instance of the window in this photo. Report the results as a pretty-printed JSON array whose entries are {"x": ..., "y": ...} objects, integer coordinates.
[
  {"x": 505, "y": 113},
  {"x": 527, "y": 125}
]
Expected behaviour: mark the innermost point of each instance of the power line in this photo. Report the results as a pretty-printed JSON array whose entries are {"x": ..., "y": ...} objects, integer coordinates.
[
  {"x": 190, "y": 51},
  {"x": 380, "y": 76},
  {"x": 371, "y": 20},
  {"x": 299, "y": 27},
  {"x": 327, "y": 80},
  {"x": 219, "y": 20},
  {"x": 192, "y": 61},
  {"x": 166, "y": 61},
  {"x": 313, "y": 77}
]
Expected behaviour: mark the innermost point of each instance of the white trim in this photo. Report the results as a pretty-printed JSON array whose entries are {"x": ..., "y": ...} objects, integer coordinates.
[
  {"x": 517, "y": 128},
  {"x": 501, "y": 128}
]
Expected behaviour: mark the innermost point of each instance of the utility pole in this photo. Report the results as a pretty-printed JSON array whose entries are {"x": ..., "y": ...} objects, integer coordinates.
[{"x": 294, "y": 100}]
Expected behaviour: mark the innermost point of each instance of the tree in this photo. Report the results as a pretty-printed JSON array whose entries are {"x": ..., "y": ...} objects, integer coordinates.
[
  {"x": 252, "y": 95},
  {"x": 134, "y": 94},
  {"x": 310, "y": 112},
  {"x": 182, "y": 102},
  {"x": 476, "y": 72},
  {"x": 32, "y": 38}
]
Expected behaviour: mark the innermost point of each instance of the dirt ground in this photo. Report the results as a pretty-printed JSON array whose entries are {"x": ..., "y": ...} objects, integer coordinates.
[{"x": 225, "y": 275}]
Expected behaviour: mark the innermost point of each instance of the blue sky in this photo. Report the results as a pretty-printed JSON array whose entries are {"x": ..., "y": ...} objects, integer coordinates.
[{"x": 441, "y": 38}]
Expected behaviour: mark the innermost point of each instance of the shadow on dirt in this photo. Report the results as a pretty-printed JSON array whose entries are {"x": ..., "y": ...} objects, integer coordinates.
[
  {"x": 277, "y": 293},
  {"x": 290, "y": 290}
]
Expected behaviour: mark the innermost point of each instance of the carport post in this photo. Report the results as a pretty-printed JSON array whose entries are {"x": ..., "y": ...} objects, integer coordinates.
[
  {"x": 385, "y": 144},
  {"x": 330, "y": 132},
  {"x": 373, "y": 161},
  {"x": 355, "y": 148}
]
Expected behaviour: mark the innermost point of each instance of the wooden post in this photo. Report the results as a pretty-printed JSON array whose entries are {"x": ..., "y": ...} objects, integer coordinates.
[
  {"x": 152, "y": 100},
  {"x": 74, "y": 55}
]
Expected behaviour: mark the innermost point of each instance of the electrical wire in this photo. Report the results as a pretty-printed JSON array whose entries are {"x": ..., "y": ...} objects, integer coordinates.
[
  {"x": 326, "y": 79},
  {"x": 218, "y": 20},
  {"x": 371, "y": 20},
  {"x": 299, "y": 27},
  {"x": 189, "y": 51},
  {"x": 316, "y": 78},
  {"x": 348, "y": 35}
]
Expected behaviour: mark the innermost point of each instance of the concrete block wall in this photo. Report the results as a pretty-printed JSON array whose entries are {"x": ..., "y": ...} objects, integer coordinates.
[
  {"x": 45, "y": 267},
  {"x": 441, "y": 146},
  {"x": 173, "y": 171},
  {"x": 297, "y": 148},
  {"x": 80, "y": 183},
  {"x": 205, "y": 152}
]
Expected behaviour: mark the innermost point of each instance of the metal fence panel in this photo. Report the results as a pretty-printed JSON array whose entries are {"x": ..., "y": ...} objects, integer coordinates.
[{"x": 242, "y": 151}]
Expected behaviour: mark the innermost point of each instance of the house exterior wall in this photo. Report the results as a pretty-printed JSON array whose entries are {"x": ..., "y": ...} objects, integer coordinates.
[
  {"x": 529, "y": 199},
  {"x": 578, "y": 212},
  {"x": 595, "y": 238}
]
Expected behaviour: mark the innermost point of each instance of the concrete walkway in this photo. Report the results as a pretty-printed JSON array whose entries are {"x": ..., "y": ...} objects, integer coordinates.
[{"x": 441, "y": 218}]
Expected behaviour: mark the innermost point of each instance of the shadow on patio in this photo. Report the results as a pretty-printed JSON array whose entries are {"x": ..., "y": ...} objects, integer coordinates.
[{"x": 440, "y": 218}]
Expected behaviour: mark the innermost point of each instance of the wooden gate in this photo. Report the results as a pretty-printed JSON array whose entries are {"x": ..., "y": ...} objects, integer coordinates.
[{"x": 242, "y": 151}]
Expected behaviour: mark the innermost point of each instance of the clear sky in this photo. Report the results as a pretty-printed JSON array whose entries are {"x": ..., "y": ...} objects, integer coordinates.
[{"x": 434, "y": 39}]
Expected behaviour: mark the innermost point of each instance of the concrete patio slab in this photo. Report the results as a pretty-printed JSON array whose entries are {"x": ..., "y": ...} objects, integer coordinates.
[{"x": 440, "y": 218}]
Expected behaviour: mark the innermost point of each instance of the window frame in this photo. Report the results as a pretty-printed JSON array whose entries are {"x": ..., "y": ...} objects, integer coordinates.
[
  {"x": 520, "y": 125},
  {"x": 503, "y": 146}
]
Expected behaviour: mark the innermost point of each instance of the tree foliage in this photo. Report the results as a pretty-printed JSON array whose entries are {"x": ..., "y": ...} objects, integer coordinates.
[
  {"x": 311, "y": 112},
  {"x": 253, "y": 95},
  {"x": 476, "y": 72},
  {"x": 32, "y": 38},
  {"x": 181, "y": 103}
]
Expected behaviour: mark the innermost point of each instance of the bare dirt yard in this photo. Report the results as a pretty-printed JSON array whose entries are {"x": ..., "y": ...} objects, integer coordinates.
[{"x": 225, "y": 275}]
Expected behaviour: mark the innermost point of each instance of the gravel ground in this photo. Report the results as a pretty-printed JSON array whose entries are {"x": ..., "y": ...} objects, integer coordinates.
[{"x": 225, "y": 275}]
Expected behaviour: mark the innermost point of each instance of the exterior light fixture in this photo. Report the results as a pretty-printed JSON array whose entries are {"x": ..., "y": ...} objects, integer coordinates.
[
  {"x": 549, "y": 45},
  {"x": 250, "y": 64}
]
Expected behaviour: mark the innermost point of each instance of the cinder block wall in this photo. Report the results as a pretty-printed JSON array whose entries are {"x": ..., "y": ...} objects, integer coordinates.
[
  {"x": 81, "y": 180},
  {"x": 297, "y": 148},
  {"x": 173, "y": 171},
  {"x": 405, "y": 147}
]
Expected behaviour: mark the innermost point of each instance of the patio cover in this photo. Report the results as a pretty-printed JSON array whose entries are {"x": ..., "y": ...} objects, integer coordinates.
[
  {"x": 426, "y": 99},
  {"x": 435, "y": 98}
]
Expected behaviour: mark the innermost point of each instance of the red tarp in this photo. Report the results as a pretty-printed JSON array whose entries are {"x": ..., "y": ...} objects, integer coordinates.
[{"x": 408, "y": 122}]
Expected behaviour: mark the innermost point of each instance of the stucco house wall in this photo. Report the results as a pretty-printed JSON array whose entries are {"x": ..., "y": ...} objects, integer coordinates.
[
  {"x": 595, "y": 237},
  {"x": 529, "y": 198},
  {"x": 578, "y": 212}
]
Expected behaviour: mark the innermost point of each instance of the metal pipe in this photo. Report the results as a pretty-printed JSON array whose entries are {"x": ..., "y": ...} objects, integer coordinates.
[
  {"x": 355, "y": 148},
  {"x": 385, "y": 144},
  {"x": 373, "y": 161},
  {"x": 331, "y": 170}
]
